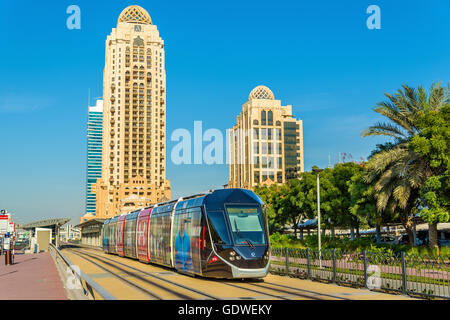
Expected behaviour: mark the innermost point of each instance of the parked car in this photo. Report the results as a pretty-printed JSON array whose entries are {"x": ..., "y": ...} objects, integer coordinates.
[
  {"x": 422, "y": 238},
  {"x": 386, "y": 240},
  {"x": 443, "y": 238},
  {"x": 404, "y": 239}
]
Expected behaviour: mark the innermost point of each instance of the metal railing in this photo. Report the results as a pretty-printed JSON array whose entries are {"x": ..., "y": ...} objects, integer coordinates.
[
  {"x": 90, "y": 288},
  {"x": 418, "y": 275}
]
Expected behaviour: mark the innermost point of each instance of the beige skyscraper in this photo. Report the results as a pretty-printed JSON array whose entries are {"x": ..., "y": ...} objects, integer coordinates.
[
  {"x": 134, "y": 116},
  {"x": 266, "y": 144}
]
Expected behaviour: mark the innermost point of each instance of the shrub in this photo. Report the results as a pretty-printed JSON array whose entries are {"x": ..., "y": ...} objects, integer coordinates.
[{"x": 278, "y": 240}]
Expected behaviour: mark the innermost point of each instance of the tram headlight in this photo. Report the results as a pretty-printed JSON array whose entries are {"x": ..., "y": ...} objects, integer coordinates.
[{"x": 234, "y": 256}]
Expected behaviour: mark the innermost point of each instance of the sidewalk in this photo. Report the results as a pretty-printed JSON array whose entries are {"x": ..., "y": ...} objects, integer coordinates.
[{"x": 31, "y": 277}]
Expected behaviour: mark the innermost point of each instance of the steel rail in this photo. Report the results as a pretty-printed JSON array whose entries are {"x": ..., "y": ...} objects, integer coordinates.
[
  {"x": 183, "y": 296},
  {"x": 303, "y": 290},
  {"x": 154, "y": 295},
  {"x": 256, "y": 291},
  {"x": 165, "y": 280}
]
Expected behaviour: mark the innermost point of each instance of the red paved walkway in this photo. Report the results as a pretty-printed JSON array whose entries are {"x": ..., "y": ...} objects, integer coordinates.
[{"x": 31, "y": 277}]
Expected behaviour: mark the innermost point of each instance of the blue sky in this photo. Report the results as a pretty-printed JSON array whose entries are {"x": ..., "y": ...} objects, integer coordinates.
[{"x": 318, "y": 56}]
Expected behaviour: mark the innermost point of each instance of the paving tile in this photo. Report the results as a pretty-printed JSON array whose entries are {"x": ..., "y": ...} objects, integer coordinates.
[{"x": 31, "y": 277}]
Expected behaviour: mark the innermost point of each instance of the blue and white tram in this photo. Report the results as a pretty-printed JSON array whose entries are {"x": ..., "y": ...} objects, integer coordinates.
[{"x": 222, "y": 234}]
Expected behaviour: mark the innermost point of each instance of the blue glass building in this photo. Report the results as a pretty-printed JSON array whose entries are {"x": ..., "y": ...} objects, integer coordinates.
[{"x": 94, "y": 152}]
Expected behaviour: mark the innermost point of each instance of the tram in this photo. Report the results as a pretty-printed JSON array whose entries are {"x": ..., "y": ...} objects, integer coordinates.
[{"x": 221, "y": 234}]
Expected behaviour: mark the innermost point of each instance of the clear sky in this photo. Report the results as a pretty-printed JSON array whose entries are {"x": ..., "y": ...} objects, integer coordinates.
[{"x": 318, "y": 56}]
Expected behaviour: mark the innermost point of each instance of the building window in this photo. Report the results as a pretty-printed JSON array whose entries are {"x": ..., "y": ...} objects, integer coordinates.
[
  {"x": 256, "y": 176},
  {"x": 264, "y": 148},
  {"x": 256, "y": 147},
  {"x": 264, "y": 162},
  {"x": 256, "y": 134},
  {"x": 279, "y": 177},
  {"x": 263, "y": 118},
  {"x": 278, "y": 134},
  {"x": 270, "y": 118},
  {"x": 270, "y": 163},
  {"x": 279, "y": 163},
  {"x": 256, "y": 162},
  {"x": 263, "y": 134},
  {"x": 264, "y": 176}
]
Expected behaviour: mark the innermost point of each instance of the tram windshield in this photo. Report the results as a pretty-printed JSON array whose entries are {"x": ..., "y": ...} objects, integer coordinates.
[{"x": 247, "y": 225}]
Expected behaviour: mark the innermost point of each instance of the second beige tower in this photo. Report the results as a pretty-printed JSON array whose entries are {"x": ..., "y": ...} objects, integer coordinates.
[{"x": 266, "y": 144}]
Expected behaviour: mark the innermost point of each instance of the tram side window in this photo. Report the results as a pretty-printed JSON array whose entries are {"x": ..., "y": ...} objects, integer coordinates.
[
  {"x": 105, "y": 236},
  {"x": 128, "y": 235},
  {"x": 133, "y": 224},
  {"x": 113, "y": 234},
  {"x": 219, "y": 231}
]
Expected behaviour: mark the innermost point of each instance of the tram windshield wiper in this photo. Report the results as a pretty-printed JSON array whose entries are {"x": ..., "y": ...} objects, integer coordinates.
[
  {"x": 237, "y": 229},
  {"x": 250, "y": 244}
]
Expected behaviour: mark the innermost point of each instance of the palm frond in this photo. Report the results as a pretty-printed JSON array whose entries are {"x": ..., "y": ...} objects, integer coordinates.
[
  {"x": 397, "y": 173},
  {"x": 392, "y": 112},
  {"x": 401, "y": 193},
  {"x": 384, "y": 129}
]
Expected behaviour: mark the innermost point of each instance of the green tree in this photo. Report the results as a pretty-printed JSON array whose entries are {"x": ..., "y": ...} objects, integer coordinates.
[
  {"x": 270, "y": 196},
  {"x": 288, "y": 204},
  {"x": 432, "y": 143},
  {"x": 291, "y": 201},
  {"x": 304, "y": 195},
  {"x": 398, "y": 173},
  {"x": 341, "y": 197},
  {"x": 363, "y": 203}
]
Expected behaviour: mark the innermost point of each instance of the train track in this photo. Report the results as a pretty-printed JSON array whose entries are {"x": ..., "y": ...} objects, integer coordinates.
[
  {"x": 123, "y": 279},
  {"x": 282, "y": 297},
  {"x": 140, "y": 274},
  {"x": 263, "y": 288},
  {"x": 296, "y": 291},
  {"x": 281, "y": 291},
  {"x": 262, "y": 293}
]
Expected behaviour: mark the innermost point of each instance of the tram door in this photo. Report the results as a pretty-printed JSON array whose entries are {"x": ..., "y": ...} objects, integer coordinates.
[
  {"x": 142, "y": 235},
  {"x": 188, "y": 237}
]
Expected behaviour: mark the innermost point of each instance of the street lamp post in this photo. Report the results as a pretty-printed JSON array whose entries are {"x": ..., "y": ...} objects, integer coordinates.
[{"x": 318, "y": 170}]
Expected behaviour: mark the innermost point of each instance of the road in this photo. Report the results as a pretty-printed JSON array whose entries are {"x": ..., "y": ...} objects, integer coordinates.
[{"x": 126, "y": 279}]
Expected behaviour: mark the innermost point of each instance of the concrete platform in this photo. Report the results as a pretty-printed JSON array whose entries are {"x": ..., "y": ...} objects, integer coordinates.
[{"x": 31, "y": 277}]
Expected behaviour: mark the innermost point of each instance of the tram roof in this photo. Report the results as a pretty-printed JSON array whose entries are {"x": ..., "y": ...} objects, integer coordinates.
[
  {"x": 213, "y": 200},
  {"x": 216, "y": 199}
]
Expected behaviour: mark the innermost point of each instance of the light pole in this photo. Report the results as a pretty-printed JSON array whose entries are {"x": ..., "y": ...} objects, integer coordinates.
[{"x": 318, "y": 170}]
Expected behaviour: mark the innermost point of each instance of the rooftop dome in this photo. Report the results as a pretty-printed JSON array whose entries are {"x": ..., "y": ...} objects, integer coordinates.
[
  {"x": 261, "y": 92},
  {"x": 135, "y": 14}
]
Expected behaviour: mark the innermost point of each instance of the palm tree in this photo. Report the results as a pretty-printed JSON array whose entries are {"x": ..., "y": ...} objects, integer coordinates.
[{"x": 397, "y": 172}]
